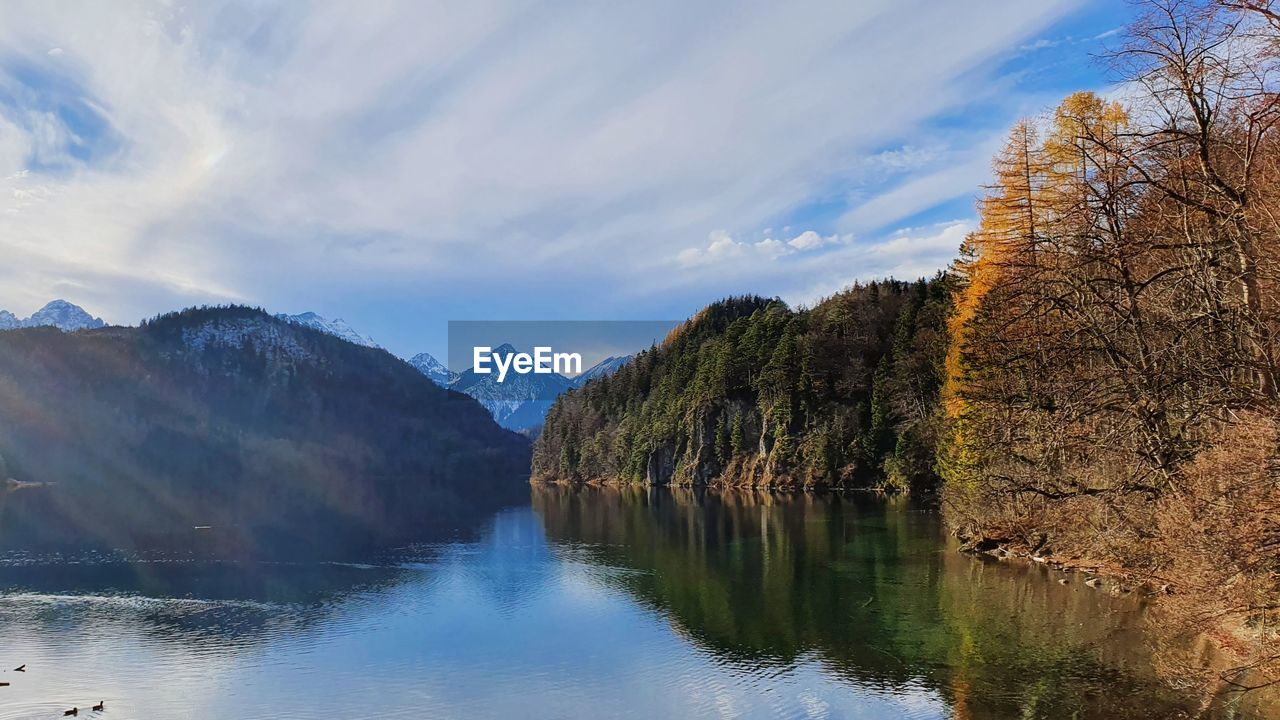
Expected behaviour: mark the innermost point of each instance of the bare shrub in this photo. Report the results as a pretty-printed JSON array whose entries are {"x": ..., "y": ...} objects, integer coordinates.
[{"x": 1221, "y": 531}]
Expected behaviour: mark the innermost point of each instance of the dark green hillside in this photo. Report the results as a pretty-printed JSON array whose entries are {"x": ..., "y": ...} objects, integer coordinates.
[
  {"x": 751, "y": 392},
  {"x": 277, "y": 436}
]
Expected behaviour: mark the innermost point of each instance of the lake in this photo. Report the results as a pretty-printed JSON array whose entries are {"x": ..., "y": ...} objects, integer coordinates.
[{"x": 587, "y": 603}]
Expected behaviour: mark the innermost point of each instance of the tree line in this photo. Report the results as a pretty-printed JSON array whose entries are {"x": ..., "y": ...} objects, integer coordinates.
[
  {"x": 752, "y": 392},
  {"x": 1112, "y": 381}
]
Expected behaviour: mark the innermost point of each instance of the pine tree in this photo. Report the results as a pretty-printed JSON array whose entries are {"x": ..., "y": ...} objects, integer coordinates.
[
  {"x": 737, "y": 442},
  {"x": 1002, "y": 248}
]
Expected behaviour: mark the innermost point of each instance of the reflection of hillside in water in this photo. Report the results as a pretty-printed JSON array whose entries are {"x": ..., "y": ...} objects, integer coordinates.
[
  {"x": 226, "y": 605},
  {"x": 874, "y": 587}
]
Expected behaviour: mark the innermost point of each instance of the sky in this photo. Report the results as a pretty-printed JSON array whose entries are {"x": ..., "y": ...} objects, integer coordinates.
[{"x": 401, "y": 165}]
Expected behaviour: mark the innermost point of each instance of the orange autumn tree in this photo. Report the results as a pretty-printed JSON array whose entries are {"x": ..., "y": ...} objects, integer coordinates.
[
  {"x": 995, "y": 258},
  {"x": 1113, "y": 384},
  {"x": 1052, "y": 375}
]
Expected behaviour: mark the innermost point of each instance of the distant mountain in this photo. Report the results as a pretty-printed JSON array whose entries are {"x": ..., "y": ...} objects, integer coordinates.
[
  {"x": 470, "y": 377},
  {"x": 435, "y": 370},
  {"x": 60, "y": 314},
  {"x": 520, "y": 401},
  {"x": 604, "y": 368},
  {"x": 278, "y": 436},
  {"x": 336, "y": 328}
]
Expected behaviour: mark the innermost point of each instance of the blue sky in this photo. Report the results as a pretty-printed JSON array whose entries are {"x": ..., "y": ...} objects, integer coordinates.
[{"x": 407, "y": 164}]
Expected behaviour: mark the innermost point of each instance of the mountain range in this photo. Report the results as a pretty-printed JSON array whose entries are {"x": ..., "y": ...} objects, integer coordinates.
[{"x": 518, "y": 404}]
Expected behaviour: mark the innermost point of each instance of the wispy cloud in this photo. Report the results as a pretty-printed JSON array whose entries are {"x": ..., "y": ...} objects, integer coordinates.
[{"x": 451, "y": 157}]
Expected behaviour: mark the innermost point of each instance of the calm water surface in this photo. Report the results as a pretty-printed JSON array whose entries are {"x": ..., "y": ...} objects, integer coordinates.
[{"x": 586, "y": 604}]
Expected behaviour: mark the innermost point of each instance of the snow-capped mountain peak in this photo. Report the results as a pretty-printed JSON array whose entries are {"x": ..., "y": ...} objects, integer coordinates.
[
  {"x": 435, "y": 370},
  {"x": 336, "y": 327},
  {"x": 61, "y": 314}
]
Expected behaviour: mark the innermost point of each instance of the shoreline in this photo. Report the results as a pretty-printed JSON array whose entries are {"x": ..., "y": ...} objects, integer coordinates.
[{"x": 886, "y": 491}]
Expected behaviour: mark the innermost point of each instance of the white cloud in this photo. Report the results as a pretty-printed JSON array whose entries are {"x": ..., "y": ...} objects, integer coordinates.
[
  {"x": 722, "y": 248},
  {"x": 905, "y": 246},
  {"x": 802, "y": 278},
  {"x": 376, "y": 150},
  {"x": 806, "y": 240}
]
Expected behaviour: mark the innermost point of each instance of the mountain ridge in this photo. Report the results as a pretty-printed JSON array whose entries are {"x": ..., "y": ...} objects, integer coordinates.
[
  {"x": 518, "y": 405},
  {"x": 336, "y": 327}
]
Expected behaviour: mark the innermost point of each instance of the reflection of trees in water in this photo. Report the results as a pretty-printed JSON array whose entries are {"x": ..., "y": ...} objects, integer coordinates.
[
  {"x": 873, "y": 587},
  {"x": 222, "y": 605}
]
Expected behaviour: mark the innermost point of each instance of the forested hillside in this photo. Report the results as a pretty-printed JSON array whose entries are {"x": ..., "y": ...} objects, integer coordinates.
[
  {"x": 751, "y": 392},
  {"x": 273, "y": 435},
  {"x": 1112, "y": 392}
]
